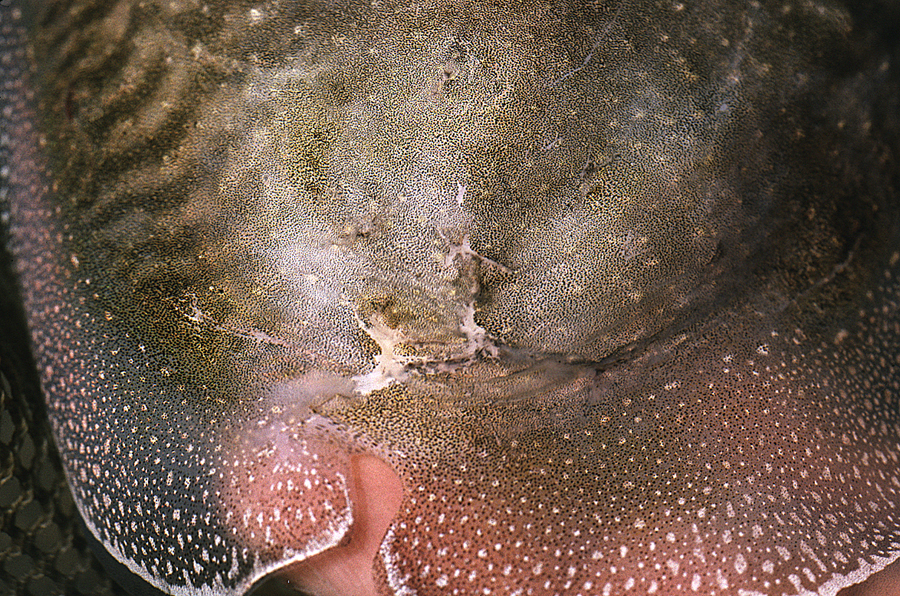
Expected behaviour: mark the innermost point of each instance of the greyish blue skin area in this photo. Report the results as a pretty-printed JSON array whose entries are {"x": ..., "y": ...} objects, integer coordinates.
[{"x": 612, "y": 287}]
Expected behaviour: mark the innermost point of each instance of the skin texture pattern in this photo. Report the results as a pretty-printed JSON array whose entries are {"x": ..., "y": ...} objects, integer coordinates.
[{"x": 453, "y": 297}]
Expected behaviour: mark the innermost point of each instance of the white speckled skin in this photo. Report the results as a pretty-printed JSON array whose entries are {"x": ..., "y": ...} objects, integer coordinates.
[{"x": 550, "y": 298}]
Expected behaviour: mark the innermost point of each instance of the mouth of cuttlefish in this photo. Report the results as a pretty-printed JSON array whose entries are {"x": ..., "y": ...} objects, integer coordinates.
[
  {"x": 375, "y": 492},
  {"x": 341, "y": 505},
  {"x": 298, "y": 486},
  {"x": 321, "y": 502}
]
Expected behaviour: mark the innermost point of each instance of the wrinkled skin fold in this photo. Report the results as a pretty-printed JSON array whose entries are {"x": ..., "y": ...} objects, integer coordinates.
[{"x": 455, "y": 298}]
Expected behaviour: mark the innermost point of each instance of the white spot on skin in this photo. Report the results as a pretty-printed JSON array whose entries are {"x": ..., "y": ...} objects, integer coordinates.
[
  {"x": 740, "y": 563},
  {"x": 721, "y": 581}
]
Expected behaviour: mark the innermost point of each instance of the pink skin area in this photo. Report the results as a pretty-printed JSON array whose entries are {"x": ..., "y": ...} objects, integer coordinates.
[
  {"x": 885, "y": 583},
  {"x": 347, "y": 570},
  {"x": 376, "y": 493}
]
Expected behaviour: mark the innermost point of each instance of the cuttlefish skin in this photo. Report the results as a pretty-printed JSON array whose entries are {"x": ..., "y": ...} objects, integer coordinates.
[{"x": 608, "y": 290}]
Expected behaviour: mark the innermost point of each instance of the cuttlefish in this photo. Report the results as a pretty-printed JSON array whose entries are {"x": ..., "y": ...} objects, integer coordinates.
[{"x": 464, "y": 297}]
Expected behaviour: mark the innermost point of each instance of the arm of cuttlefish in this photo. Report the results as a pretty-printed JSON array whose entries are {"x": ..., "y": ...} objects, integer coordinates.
[{"x": 755, "y": 451}]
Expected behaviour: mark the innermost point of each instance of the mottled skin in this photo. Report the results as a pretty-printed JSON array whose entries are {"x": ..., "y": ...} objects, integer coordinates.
[{"x": 556, "y": 298}]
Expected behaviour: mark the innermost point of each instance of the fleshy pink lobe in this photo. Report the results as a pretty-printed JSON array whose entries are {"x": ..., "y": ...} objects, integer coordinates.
[
  {"x": 346, "y": 570},
  {"x": 884, "y": 583}
]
